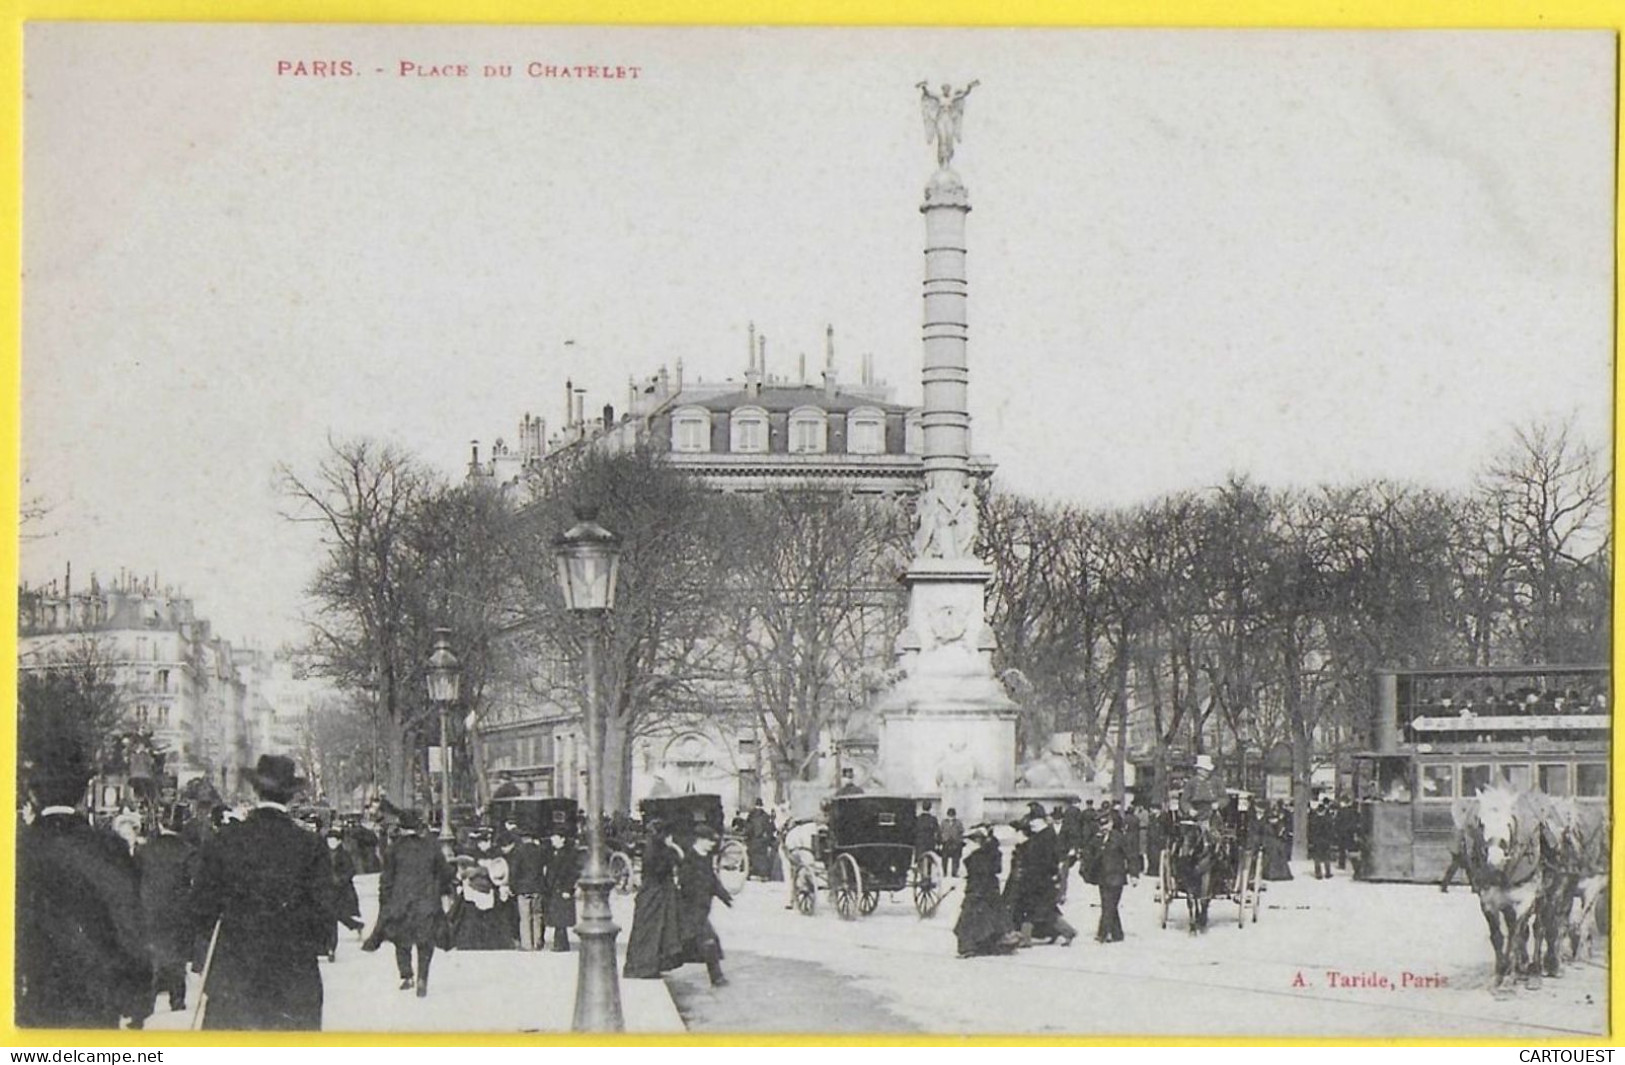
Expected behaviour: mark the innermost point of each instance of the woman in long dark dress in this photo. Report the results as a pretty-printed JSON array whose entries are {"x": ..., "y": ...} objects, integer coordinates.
[
  {"x": 1278, "y": 845},
  {"x": 984, "y": 920},
  {"x": 655, "y": 944}
]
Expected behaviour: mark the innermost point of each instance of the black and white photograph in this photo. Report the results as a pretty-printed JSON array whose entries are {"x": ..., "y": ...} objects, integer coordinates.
[{"x": 738, "y": 530}]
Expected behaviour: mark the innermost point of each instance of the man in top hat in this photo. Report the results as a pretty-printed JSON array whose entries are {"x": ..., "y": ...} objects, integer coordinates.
[
  {"x": 82, "y": 958},
  {"x": 265, "y": 886},
  {"x": 415, "y": 875},
  {"x": 1202, "y": 793}
]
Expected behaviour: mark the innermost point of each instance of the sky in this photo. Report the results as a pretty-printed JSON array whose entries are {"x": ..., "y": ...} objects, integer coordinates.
[{"x": 1306, "y": 256}]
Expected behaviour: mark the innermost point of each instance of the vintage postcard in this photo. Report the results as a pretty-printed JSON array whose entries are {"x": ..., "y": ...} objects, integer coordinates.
[{"x": 1064, "y": 532}]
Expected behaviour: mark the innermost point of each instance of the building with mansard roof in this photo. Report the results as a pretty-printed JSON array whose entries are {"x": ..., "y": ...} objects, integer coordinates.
[{"x": 757, "y": 432}]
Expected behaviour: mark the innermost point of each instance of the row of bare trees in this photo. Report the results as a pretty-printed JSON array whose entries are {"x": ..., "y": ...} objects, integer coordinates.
[
  {"x": 1254, "y": 617},
  {"x": 1243, "y": 615}
]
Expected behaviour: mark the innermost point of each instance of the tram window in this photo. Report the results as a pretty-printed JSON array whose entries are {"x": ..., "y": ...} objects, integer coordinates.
[
  {"x": 1554, "y": 779},
  {"x": 1474, "y": 779},
  {"x": 1438, "y": 782},
  {"x": 1516, "y": 775},
  {"x": 1591, "y": 780}
]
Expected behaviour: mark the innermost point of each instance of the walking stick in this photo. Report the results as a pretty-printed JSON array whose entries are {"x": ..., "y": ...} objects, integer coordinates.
[{"x": 203, "y": 985}]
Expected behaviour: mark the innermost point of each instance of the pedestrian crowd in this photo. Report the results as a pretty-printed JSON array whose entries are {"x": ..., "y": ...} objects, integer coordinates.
[{"x": 110, "y": 918}]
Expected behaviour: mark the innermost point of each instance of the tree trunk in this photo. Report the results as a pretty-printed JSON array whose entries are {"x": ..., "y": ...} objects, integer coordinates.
[
  {"x": 395, "y": 755},
  {"x": 617, "y": 763}
]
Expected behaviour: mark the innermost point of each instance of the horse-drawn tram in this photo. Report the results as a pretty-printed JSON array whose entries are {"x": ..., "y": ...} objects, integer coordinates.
[{"x": 1440, "y": 736}]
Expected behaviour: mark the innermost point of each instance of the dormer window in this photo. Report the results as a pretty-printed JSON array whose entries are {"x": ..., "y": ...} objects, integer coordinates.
[
  {"x": 808, "y": 434},
  {"x": 866, "y": 432},
  {"x": 691, "y": 430},
  {"x": 747, "y": 430}
]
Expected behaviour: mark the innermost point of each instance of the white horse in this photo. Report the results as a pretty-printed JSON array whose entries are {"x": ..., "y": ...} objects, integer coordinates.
[{"x": 1500, "y": 841}]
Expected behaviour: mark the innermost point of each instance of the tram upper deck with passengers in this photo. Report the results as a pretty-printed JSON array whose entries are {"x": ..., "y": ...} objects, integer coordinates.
[{"x": 1440, "y": 735}]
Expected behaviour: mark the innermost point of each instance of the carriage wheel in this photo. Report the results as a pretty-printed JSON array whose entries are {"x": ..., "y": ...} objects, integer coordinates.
[
  {"x": 733, "y": 866},
  {"x": 806, "y": 890},
  {"x": 846, "y": 886},
  {"x": 621, "y": 870},
  {"x": 928, "y": 879},
  {"x": 868, "y": 903},
  {"x": 1165, "y": 876}
]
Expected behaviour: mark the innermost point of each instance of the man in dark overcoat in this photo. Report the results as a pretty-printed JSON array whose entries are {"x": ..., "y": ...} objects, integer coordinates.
[
  {"x": 82, "y": 958},
  {"x": 559, "y": 876},
  {"x": 415, "y": 876},
  {"x": 697, "y": 885},
  {"x": 346, "y": 904},
  {"x": 1114, "y": 866},
  {"x": 1322, "y": 838},
  {"x": 526, "y": 868},
  {"x": 761, "y": 836},
  {"x": 927, "y": 832},
  {"x": 168, "y": 865},
  {"x": 267, "y": 885}
]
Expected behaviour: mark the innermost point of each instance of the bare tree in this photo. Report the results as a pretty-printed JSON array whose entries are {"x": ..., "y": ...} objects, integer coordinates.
[
  {"x": 815, "y": 606},
  {"x": 362, "y": 498},
  {"x": 1549, "y": 497}
]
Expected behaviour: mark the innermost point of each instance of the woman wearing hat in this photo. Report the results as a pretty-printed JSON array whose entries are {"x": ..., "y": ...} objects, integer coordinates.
[
  {"x": 984, "y": 921},
  {"x": 655, "y": 943},
  {"x": 1033, "y": 890}
]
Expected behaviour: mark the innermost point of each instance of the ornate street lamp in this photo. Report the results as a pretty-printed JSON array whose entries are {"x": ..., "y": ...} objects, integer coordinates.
[
  {"x": 589, "y": 561},
  {"x": 445, "y": 675}
]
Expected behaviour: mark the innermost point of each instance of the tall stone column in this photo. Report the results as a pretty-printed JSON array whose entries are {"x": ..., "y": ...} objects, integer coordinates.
[{"x": 948, "y": 728}]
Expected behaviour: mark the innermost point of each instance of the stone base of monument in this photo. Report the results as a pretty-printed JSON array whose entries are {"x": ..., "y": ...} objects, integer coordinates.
[{"x": 1002, "y": 809}]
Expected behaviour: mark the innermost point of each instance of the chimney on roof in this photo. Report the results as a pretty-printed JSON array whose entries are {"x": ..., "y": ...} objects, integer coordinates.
[
  {"x": 581, "y": 406},
  {"x": 829, "y": 362},
  {"x": 801, "y": 367},
  {"x": 678, "y": 381},
  {"x": 473, "y": 458},
  {"x": 753, "y": 375},
  {"x": 750, "y": 348},
  {"x": 632, "y": 395},
  {"x": 569, "y": 403},
  {"x": 609, "y": 415}
]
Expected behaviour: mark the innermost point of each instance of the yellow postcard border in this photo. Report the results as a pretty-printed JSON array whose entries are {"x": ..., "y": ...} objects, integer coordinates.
[{"x": 1284, "y": 14}]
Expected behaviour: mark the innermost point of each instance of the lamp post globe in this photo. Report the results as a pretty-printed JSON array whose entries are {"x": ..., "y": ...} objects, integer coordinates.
[
  {"x": 444, "y": 676},
  {"x": 588, "y": 557}
]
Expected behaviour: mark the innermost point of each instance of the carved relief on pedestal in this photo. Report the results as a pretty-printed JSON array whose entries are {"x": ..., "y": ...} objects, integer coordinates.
[{"x": 947, "y": 517}]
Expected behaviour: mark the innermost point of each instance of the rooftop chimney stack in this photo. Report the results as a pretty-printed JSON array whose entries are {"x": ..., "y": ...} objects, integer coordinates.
[
  {"x": 569, "y": 403},
  {"x": 753, "y": 375},
  {"x": 829, "y": 362}
]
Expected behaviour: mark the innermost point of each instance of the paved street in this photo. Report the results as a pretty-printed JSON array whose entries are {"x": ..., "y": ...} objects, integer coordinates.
[
  {"x": 896, "y": 972},
  {"x": 891, "y": 972}
]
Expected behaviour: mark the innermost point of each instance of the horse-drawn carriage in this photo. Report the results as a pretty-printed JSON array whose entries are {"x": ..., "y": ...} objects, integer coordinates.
[
  {"x": 538, "y": 817},
  {"x": 1206, "y": 860},
  {"x": 681, "y": 814},
  {"x": 865, "y": 848}
]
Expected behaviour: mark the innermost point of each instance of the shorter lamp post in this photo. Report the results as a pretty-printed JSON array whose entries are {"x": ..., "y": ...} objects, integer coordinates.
[
  {"x": 589, "y": 561},
  {"x": 444, "y": 675}
]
